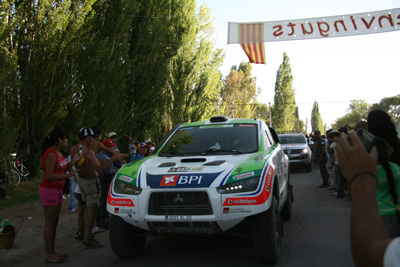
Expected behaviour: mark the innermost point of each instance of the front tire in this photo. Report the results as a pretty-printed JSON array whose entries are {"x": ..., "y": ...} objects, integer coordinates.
[
  {"x": 267, "y": 234},
  {"x": 125, "y": 239}
]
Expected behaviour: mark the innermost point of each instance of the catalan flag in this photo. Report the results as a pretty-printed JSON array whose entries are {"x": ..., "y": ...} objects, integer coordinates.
[{"x": 251, "y": 37}]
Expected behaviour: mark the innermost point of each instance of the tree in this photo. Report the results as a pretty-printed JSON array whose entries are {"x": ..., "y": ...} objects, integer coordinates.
[
  {"x": 316, "y": 121},
  {"x": 239, "y": 92},
  {"x": 357, "y": 111},
  {"x": 284, "y": 99},
  {"x": 389, "y": 104}
]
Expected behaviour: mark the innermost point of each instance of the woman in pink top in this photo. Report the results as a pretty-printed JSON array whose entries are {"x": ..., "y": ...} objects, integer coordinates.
[{"x": 55, "y": 167}]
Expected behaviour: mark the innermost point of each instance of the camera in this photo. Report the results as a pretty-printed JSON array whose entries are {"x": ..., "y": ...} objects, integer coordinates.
[{"x": 367, "y": 138}]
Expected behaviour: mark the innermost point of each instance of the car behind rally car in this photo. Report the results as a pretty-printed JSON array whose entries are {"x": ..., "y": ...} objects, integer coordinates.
[
  {"x": 208, "y": 177},
  {"x": 295, "y": 146}
]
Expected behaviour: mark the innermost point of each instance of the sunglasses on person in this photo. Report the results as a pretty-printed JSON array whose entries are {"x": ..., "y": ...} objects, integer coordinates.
[{"x": 114, "y": 136}]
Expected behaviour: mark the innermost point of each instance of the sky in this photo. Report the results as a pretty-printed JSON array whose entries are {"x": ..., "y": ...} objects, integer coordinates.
[{"x": 331, "y": 71}]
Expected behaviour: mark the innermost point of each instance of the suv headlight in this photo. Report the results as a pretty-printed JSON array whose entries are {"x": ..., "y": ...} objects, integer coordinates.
[
  {"x": 125, "y": 188},
  {"x": 305, "y": 151},
  {"x": 245, "y": 185}
]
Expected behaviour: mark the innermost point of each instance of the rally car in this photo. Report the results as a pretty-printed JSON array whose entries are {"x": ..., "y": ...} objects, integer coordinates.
[{"x": 209, "y": 177}]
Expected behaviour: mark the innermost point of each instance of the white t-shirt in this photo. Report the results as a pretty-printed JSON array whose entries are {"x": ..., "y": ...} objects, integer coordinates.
[{"x": 392, "y": 254}]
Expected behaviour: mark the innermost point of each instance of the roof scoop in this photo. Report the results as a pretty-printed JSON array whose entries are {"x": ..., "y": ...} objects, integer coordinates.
[
  {"x": 214, "y": 163},
  {"x": 167, "y": 164},
  {"x": 193, "y": 160}
]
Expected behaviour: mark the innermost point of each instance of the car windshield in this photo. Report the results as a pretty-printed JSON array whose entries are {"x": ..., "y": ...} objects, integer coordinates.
[
  {"x": 223, "y": 139},
  {"x": 292, "y": 139}
]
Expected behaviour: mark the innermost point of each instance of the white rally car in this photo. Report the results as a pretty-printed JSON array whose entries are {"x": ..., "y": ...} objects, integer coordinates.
[{"x": 207, "y": 177}]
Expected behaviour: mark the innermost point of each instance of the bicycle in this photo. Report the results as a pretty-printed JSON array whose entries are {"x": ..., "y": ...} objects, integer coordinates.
[{"x": 19, "y": 171}]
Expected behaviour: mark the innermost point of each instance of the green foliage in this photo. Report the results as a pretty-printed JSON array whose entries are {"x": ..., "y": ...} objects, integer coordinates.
[
  {"x": 389, "y": 104},
  {"x": 284, "y": 99},
  {"x": 358, "y": 110},
  {"x": 316, "y": 120},
  {"x": 132, "y": 66},
  {"x": 239, "y": 93}
]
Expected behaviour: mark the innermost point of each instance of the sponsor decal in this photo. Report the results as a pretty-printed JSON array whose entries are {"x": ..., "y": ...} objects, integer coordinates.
[
  {"x": 120, "y": 202},
  {"x": 125, "y": 178},
  {"x": 247, "y": 125},
  {"x": 169, "y": 180},
  {"x": 185, "y": 230},
  {"x": 243, "y": 175},
  {"x": 178, "y": 218},
  {"x": 185, "y": 169},
  {"x": 258, "y": 200},
  {"x": 181, "y": 181},
  {"x": 116, "y": 210},
  {"x": 126, "y": 210},
  {"x": 226, "y": 210}
]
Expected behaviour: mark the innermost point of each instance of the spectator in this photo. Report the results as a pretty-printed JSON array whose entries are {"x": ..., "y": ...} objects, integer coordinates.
[
  {"x": 54, "y": 165},
  {"x": 370, "y": 241},
  {"x": 132, "y": 149},
  {"x": 149, "y": 146},
  {"x": 73, "y": 181},
  {"x": 388, "y": 189},
  {"x": 112, "y": 137},
  {"x": 334, "y": 164},
  {"x": 142, "y": 150},
  {"x": 103, "y": 217},
  {"x": 88, "y": 182},
  {"x": 321, "y": 158},
  {"x": 380, "y": 124}
]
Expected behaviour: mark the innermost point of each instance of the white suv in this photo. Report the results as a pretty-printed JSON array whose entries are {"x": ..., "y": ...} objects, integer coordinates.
[
  {"x": 296, "y": 148},
  {"x": 207, "y": 177}
]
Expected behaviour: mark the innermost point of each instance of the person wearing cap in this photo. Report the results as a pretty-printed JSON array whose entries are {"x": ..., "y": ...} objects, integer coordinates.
[
  {"x": 321, "y": 158},
  {"x": 88, "y": 181},
  {"x": 149, "y": 145},
  {"x": 142, "y": 150},
  {"x": 111, "y": 142}
]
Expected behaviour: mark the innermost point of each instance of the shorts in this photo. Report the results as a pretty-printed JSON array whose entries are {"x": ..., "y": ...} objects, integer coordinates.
[
  {"x": 90, "y": 191},
  {"x": 50, "y": 196}
]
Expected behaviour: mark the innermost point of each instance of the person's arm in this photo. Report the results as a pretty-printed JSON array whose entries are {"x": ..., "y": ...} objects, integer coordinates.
[
  {"x": 369, "y": 237},
  {"x": 95, "y": 164},
  {"x": 50, "y": 162}
]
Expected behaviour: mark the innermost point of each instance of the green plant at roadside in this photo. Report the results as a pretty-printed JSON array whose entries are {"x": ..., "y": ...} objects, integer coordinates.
[{"x": 26, "y": 191}]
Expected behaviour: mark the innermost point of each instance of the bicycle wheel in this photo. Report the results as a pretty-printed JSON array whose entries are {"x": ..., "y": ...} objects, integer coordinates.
[{"x": 14, "y": 178}]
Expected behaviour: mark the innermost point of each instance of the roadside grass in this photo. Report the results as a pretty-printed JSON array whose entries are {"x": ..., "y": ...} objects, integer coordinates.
[{"x": 26, "y": 191}]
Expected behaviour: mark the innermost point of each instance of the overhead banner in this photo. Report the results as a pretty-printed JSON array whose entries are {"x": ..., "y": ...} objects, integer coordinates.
[{"x": 323, "y": 27}]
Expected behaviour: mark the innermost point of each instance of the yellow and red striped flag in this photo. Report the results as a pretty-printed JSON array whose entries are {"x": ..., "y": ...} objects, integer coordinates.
[{"x": 251, "y": 38}]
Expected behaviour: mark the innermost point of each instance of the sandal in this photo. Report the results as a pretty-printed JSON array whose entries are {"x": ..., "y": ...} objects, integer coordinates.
[{"x": 91, "y": 245}]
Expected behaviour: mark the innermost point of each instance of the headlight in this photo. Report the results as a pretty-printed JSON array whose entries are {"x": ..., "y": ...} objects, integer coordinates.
[
  {"x": 240, "y": 186},
  {"x": 125, "y": 188},
  {"x": 305, "y": 151}
]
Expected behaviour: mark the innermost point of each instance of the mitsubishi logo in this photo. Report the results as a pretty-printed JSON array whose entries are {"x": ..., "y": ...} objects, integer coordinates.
[
  {"x": 178, "y": 198},
  {"x": 289, "y": 151}
]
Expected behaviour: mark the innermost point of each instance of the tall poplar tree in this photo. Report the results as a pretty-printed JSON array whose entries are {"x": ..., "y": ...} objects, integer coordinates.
[
  {"x": 239, "y": 92},
  {"x": 284, "y": 99},
  {"x": 316, "y": 120}
]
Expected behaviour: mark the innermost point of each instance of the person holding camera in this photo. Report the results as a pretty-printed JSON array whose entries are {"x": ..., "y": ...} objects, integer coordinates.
[{"x": 370, "y": 241}]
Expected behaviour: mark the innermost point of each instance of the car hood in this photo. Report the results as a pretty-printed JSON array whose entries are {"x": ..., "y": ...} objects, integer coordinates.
[
  {"x": 293, "y": 146},
  {"x": 192, "y": 172}
]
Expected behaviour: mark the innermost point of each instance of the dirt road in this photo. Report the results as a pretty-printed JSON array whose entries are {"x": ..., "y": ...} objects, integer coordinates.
[{"x": 29, "y": 240}]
